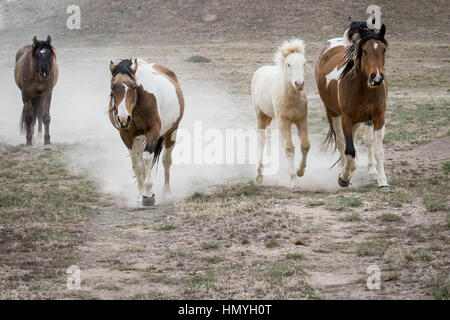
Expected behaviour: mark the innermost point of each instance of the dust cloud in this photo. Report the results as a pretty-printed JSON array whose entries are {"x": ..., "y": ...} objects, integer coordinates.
[{"x": 79, "y": 117}]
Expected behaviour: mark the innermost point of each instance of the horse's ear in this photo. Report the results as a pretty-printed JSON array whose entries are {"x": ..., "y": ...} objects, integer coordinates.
[
  {"x": 134, "y": 66},
  {"x": 112, "y": 66},
  {"x": 382, "y": 31},
  {"x": 35, "y": 40},
  {"x": 49, "y": 40}
]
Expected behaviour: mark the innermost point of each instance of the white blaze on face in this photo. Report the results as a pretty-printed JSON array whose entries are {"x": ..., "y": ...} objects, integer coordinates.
[
  {"x": 378, "y": 76},
  {"x": 42, "y": 51},
  {"x": 375, "y": 45},
  {"x": 122, "y": 109},
  {"x": 295, "y": 64}
]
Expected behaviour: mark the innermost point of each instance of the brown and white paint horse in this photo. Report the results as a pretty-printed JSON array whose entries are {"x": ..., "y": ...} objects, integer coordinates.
[
  {"x": 36, "y": 73},
  {"x": 352, "y": 84},
  {"x": 146, "y": 107}
]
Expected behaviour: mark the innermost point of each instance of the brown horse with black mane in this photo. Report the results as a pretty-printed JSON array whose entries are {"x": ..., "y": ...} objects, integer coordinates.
[
  {"x": 36, "y": 73},
  {"x": 352, "y": 84}
]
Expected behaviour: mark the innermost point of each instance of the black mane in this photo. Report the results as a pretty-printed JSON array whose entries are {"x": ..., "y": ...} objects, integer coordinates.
[
  {"x": 352, "y": 58},
  {"x": 123, "y": 67}
]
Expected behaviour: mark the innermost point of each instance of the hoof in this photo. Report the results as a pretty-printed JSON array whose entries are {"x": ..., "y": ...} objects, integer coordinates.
[
  {"x": 48, "y": 147},
  {"x": 259, "y": 179},
  {"x": 342, "y": 183},
  {"x": 384, "y": 189},
  {"x": 148, "y": 201},
  {"x": 300, "y": 172}
]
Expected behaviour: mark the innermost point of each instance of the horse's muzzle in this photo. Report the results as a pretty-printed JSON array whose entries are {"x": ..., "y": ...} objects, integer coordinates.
[{"x": 124, "y": 124}]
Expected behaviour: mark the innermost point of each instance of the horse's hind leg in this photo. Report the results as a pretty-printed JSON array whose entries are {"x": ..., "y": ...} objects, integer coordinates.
[
  {"x": 340, "y": 139},
  {"x": 263, "y": 121},
  {"x": 285, "y": 128},
  {"x": 302, "y": 128},
  {"x": 169, "y": 145}
]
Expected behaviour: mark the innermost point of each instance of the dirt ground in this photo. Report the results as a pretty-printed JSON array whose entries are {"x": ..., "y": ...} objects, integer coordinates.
[{"x": 233, "y": 239}]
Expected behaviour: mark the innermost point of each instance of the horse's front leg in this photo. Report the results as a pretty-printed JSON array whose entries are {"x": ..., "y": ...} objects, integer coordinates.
[
  {"x": 137, "y": 162},
  {"x": 379, "y": 157},
  {"x": 285, "y": 128},
  {"x": 302, "y": 128},
  {"x": 368, "y": 141},
  {"x": 45, "y": 107},
  {"x": 350, "y": 153},
  {"x": 151, "y": 142}
]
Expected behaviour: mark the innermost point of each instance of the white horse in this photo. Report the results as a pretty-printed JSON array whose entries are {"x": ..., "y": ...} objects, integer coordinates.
[{"x": 277, "y": 92}]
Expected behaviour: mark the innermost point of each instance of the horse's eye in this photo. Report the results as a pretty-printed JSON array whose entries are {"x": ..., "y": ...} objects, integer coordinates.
[{"x": 364, "y": 52}]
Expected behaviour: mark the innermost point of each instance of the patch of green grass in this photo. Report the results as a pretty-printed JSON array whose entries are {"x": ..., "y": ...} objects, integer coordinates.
[
  {"x": 175, "y": 253},
  {"x": 353, "y": 217},
  {"x": 198, "y": 59},
  {"x": 276, "y": 271},
  {"x": 314, "y": 203},
  {"x": 389, "y": 217},
  {"x": 433, "y": 203},
  {"x": 166, "y": 226},
  {"x": 372, "y": 248},
  {"x": 428, "y": 118},
  {"x": 199, "y": 197},
  {"x": 210, "y": 245},
  {"x": 212, "y": 259},
  {"x": 342, "y": 203},
  {"x": 271, "y": 244},
  {"x": 446, "y": 167},
  {"x": 425, "y": 257},
  {"x": 440, "y": 285},
  {"x": 201, "y": 280},
  {"x": 108, "y": 286},
  {"x": 294, "y": 256}
]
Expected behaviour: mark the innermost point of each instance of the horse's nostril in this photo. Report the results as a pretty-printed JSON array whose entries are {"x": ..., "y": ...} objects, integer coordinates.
[
  {"x": 372, "y": 76},
  {"x": 128, "y": 119}
]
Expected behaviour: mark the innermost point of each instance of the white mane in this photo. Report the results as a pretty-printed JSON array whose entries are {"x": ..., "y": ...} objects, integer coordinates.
[{"x": 288, "y": 47}]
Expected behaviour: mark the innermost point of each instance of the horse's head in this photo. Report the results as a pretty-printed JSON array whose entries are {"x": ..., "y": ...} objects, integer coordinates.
[
  {"x": 43, "y": 54},
  {"x": 290, "y": 57},
  {"x": 371, "y": 55},
  {"x": 123, "y": 92}
]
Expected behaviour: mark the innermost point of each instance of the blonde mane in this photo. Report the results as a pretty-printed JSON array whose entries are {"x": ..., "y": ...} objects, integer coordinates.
[{"x": 288, "y": 47}]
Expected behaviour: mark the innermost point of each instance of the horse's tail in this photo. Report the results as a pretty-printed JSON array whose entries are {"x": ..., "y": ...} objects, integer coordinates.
[
  {"x": 331, "y": 136},
  {"x": 157, "y": 151},
  {"x": 35, "y": 109}
]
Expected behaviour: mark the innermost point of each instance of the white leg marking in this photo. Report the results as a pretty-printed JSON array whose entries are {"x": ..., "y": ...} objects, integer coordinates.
[
  {"x": 138, "y": 167},
  {"x": 167, "y": 162},
  {"x": 261, "y": 145},
  {"x": 379, "y": 156},
  {"x": 368, "y": 141},
  {"x": 148, "y": 182}
]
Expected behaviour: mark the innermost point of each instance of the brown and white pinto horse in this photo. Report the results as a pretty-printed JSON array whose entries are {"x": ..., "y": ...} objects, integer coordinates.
[
  {"x": 36, "y": 73},
  {"x": 146, "y": 107},
  {"x": 352, "y": 84}
]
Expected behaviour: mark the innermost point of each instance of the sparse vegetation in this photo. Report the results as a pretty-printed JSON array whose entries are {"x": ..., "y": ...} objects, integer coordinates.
[
  {"x": 389, "y": 217},
  {"x": 342, "y": 203},
  {"x": 433, "y": 204},
  {"x": 294, "y": 256},
  {"x": 372, "y": 248},
  {"x": 210, "y": 245},
  {"x": 166, "y": 226},
  {"x": 272, "y": 244}
]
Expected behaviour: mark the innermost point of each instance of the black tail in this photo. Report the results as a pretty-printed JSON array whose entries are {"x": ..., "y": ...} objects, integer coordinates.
[
  {"x": 331, "y": 136},
  {"x": 35, "y": 105},
  {"x": 330, "y": 139},
  {"x": 157, "y": 151}
]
